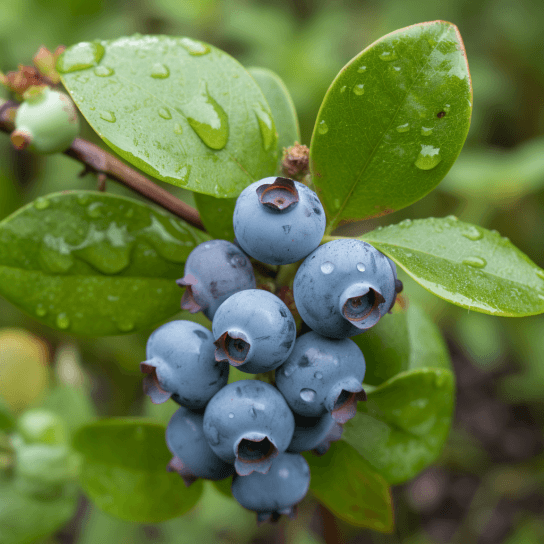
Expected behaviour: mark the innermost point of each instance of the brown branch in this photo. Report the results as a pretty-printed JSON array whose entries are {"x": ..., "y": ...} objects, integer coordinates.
[{"x": 99, "y": 161}]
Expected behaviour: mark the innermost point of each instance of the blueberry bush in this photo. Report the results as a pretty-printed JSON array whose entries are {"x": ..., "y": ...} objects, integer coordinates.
[{"x": 212, "y": 151}]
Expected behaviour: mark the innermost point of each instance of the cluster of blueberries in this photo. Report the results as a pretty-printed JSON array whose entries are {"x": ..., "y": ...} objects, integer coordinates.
[{"x": 251, "y": 429}]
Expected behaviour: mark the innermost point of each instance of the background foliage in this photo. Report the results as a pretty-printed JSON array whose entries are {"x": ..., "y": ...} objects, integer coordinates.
[{"x": 488, "y": 483}]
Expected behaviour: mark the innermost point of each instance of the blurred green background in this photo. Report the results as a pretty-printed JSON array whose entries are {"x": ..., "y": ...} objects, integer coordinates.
[{"x": 488, "y": 485}]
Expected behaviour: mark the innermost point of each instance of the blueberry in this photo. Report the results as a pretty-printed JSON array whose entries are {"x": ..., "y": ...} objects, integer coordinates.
[
  {"x": 193, "y": 457},
  {"x": 344, "y": 287},
  {"x": 46, "y": 122},
  {"x": 181, "y": 364},
  {"x": 214, "y": 271},
  {"x": 323, "y": 375},
  {"x": 248, "y": 423},
  {"x": 398, "y": 283},
  {"x": 314, "y": 433},
  {"x": 276, "y": 492},
  {"x": 254, "y": 331},
  {"x": 278, "y": 220}
]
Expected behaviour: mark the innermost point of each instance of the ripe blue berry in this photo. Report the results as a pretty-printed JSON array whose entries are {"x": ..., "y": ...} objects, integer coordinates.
[
  {"x": 314, "y": 433},
  {"x": 248, "y": 423},
  {"x": 193, "y": 457},
  {"x": 278, "y": 220},
  {"x": 254, "y": 331},
  {"x": 344, "y": 287},
  {"x": 181, "y": 364},
  {"x": 323, "y": 375},
  {"x": 276, "y": 492},
  {"x": 214, "y": 271}
]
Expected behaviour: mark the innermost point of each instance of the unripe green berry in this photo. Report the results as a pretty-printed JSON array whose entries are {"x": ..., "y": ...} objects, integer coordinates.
[{"x": 46, "y": 122}]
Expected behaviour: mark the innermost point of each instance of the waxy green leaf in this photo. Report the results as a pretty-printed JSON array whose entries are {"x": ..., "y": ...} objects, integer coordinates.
[
  {"x": 281, "y": 104},
  {"x": 93, "y": 263},
  {"x": 7, "y": 419},
  {"x": 404, "y": 340},
  {"x": 181, "y": 110},
  {"x": 124, "y": 471},
  {"x": 464, "y": 264},
  {"x": 350, "y": 488},
  {"x": 216, "y": 215},
  {"x": 403, "y": 425},
  {"x": 392, "y": 123}
]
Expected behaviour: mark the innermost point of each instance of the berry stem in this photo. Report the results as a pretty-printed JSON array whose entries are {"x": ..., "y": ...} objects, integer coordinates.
[{"x": 97, "y": 160}]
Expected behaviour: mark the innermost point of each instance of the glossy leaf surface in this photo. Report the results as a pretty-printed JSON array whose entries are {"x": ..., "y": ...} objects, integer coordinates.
[
  {"x": 182, "y": 111},
  {"x": 404, "y": 340},
  {"x": 403, "y": 425},
  {"x": 464, "y": 264},
  {"x": 124, "y": 471},
  {"x": 350, "y": 488},
  {"x": 281, "y": 104},
  {"x": 216, "y": 215},
  {"x": 392, "y": 123},
  {"x": 94, "y": 263}
]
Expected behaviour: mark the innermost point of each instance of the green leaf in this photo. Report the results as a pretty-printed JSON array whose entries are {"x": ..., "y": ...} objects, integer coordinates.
[
  {"x": 7, "y": 420},
  {"x": 216, "y": 215},
  {"x": 124, "y": 471},
  {"x": 464, "y": 264},
  {"x": 94, "y": 263},
  {"x": 403, "y": 425},
  {"x": 404, "y": 340},
  {"x": 24, "y": 518},
  {"x": 182, "y": 111},
  {"x": 392, "y": 123},
  {"x": 281, "y": 104},
  {"x": 350, "y": 488}
]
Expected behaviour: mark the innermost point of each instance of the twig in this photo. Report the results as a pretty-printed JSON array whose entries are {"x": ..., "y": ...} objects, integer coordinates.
[{"x": 103, "y": 163}]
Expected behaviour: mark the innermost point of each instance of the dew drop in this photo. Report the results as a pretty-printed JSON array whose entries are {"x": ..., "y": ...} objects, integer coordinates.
[
  {"x": 343, "y": 89},
  {"x": 336, "y": 203},
  {"x": 208, "y": 119},
  {"x": 361, "y": 267},
  {"x": 63, "y": 321},
  {"x": 540, "y": 274},
  {"x": 322, "y": 127},
  {"x": 446, "y": 108},
  {"x": 108, "y": 116},
  {"x": 307, "y": 395},
  {"x": 475, "y": 262},
  {"x": 178, "y": 129},
  {"x": 403, "y": 128},
  {"x": 41, "y": 310},
  {"x": 266, "y": 126},
  {"x": 388, "y": 56},
  {"x": 183, "y": 173},
  {"x": 165, "y": 113},
  {"x": 231, "y": 415},
  {"x": 288, "y": 370},
  {"x": 160, "y": 71},
  {"x": 361, "y": 69},
  {"x": 473, "y": 233},
  {"x": 41, "y": 203},
  {"x": 83, "y": 199},
  {"x": 103, "y": 71},
  {"x": 428, "y": 157},
  {"x": 405, "y": 223},
  {"x": 129, "y": 213},
  {"x": 452, "y": 218},
  {"x": 359, "y": 89},
  {"x": 425, "y": 131},
  {"x": 327, "y": 267},
  {"x": 194, "y": 47},
  {"x": 93, "y": 210},
  {"x": 80, "y": 57},
  {"x": 125, "y": 326},
  {"x": 318, "y": 376},
  {"x": 396, "y": 68}
]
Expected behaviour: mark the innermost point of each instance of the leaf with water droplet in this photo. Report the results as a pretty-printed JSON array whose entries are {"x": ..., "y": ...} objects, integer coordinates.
[
  {"x": 404, "y": 340},
  {"x": 94, "y": 269},
  {"x": 467, "y": 265},
  {"x": 120, "y": 455},
  {"x": 282, "y": 106},
  {"x": 349, "y": 487},
  {"x": 405, "y": 422},
  {"x": 374, "y": 165},
  {"x": 206, "y": 92}
]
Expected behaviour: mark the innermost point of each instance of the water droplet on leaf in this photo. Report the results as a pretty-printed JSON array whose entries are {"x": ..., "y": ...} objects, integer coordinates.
[
  {"x": 322, "y": 127},
  {"x": 103, "y": 71},
  {"x": 266, "y": 126},
  {"x": 80, "y": 57},
  {"x": 428, "y": 157},
  {"x": 41, "y": 203},
  {"x": 540, "y": 274},
  {"x": 194, "y": 47},
  {"x": 361, "y": 69},
  {"x": 178, "y": 129},
  {"x": 108, "y": 116},
  {"x": 93, "y": 210},
  {"x": 473, "y": 233},
  {"x": 475, "y": 262},
  {"x": 160, "y": 71},
  {"x": 41, "y": 310},
  {"x": 63, "y": 321},
  {"x": 165, "y": 113},
  {"x": 425, "y": 131},
  {"x": 359, "y": 89},
  {"x": 388, "y": 56},
  {"x": 403, "y": 128}
]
